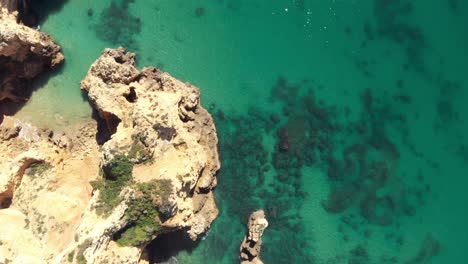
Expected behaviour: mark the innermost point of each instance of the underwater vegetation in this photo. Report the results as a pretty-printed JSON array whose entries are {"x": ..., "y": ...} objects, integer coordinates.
[
  {"x": 360, "y": 159},
  {"x": 392, "y": 23},
  {"x": 200, "y": 11},
  {"x": 245, "y": 163},
  {"x": 117, "y": 25}
]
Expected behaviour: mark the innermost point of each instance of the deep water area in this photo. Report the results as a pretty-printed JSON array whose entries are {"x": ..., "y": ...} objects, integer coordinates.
[{"x": 345, "y": 120}]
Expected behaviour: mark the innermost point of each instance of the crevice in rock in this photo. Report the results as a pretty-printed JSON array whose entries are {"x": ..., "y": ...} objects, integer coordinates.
[
  {"x": 165, "y": 133},
  {"x": 6, "y": 198},
  {"x": 106, "y": 125},
  {"x": 131, "y": 96},
  {"x": 165, "y": 246}
]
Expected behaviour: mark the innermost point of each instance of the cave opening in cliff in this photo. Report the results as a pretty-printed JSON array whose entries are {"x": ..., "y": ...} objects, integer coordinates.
[
  {"x": 165, "y": 246},
  {"x": 106, "y": 125}
]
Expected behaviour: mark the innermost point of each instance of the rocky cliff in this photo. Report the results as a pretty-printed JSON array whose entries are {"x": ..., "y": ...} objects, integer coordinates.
[
  {"x": 44, "y": 189},
  {"x": 22, "y": 7},
  {"x": 252, "y": 243},
  {"x": 67, "y": 199},
  {"x": 24, "y": 54}
]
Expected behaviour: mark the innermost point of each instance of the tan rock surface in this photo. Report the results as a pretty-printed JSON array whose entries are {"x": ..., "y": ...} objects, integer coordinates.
[
  {"x": 163, "y": 116},
  {"x": 47, "y": 212},
  {"x": 46, "y": 205}
]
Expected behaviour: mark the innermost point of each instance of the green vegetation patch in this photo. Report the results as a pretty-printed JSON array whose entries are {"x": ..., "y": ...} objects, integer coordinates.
[
  {"x": 139, "y": 153},
  {"x": 71, "y": 256},
  {"x": 80, "y": 258},
  {"x": 145, "y": 210},
  {"x": 38, "y": 168},
  {"x": 144, "y": 213},
  {"x": 117, "y": 175}
]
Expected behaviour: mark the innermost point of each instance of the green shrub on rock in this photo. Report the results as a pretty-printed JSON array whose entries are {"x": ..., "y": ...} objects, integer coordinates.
[
  {"x": 119, "y": 169},
  {"x": 139, "y": 153},
  {"x": 146, "y": 208},
  {"x": 38, "y": 168},
  {"x": 144, "y": 213},
  {"x": 117, "y": 175}
]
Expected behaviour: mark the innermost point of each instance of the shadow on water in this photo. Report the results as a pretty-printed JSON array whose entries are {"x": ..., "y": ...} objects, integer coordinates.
[
  {"x": 33, "y": 12},
  {"x": 10, "y": 108},
  {"x": 165, "y": 246},
  {"x": 43, "y": 8}
]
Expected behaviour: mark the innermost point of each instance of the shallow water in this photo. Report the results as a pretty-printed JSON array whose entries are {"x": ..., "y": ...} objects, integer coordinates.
[{"x": 344, "y": 120}]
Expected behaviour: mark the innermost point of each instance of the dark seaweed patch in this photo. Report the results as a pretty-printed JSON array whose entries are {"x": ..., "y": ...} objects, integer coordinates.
[
  {"x": 392, "y": 17},
  {"x": 200, "y": 11},
  {"x": 429, "y": 249},
  {"x": 358, "y": 156},
  {"x": 118, "y": 26},
  {"x": 453, "y": 5}
]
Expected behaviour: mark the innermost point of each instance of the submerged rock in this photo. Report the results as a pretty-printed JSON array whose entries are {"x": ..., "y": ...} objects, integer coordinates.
[
  {"x": 252, "y": 243},
  {"x": 24, "y": 54}
]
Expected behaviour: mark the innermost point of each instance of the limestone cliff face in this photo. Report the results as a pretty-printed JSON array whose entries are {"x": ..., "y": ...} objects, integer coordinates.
[
  {"x": 153, "y": 116},
  {"x": 24, "y": 53},
  {"x": 25, "y": 13},
  {"x": 48, "y": 206},
  {"x": 44, "y": 189},
  {"x": 252, "y": 243}
]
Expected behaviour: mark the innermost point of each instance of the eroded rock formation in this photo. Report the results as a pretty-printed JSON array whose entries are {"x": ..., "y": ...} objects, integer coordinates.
[
  {"x": 53, "y": 185},
  {"x": 252, "y": 243},
  {"x": 153, "y": 116},
  {"x": 25, "y": 14},
  {"x": 44, "y": 189},
  {"x": 24, "y": 53}
]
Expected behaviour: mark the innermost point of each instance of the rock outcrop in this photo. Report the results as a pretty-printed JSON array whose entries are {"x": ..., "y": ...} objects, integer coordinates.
[
  {"x": 49, "y": 182},
  {"x": 44, "y": 189},
  {"x": 24, "y": 53},
  {"x": 252, "y": 243},
  {"x": 153, "y": 116},
  {"x": 25, "y": 13}
]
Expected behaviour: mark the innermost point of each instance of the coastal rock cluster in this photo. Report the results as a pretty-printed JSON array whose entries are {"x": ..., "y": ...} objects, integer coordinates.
[
  {"x": 252, "y": 243},
  {"x": 68, "y": 198},
  {"x": 24, "y": 54},
  {"x": 159, "y": 123}
]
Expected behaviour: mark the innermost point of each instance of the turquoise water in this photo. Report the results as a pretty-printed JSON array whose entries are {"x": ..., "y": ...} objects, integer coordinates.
[{"x": 344, "y": 119}]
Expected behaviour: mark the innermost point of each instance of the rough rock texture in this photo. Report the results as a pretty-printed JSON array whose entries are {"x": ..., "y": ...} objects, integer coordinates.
[
  {"x": 25, "y": 14},
  {"x": 252, "y": 243},
  {"x": 151, "y": 111},
  {"x": 47, "y": 205},
  {"x": 24, "y": 53},
  {"x": 44, "y": 189}
]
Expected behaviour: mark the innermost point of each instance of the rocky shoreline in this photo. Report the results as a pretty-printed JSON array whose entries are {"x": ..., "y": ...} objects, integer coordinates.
[{"x": 147, "y": 166}]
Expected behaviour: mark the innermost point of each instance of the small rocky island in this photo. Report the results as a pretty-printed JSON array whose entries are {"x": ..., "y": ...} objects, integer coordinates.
[
  {"x": 100, "y": 193},
  {"x": 252, "y": 243}
]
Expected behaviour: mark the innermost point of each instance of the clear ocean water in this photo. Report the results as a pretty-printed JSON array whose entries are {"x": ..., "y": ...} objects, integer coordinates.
[{"x": 346, "y": 120}]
